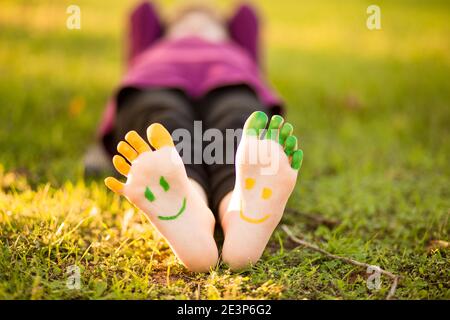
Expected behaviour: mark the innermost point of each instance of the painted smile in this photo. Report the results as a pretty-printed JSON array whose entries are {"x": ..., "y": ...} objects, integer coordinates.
[
  {"x": 180, "y": 212},
  {"x": 252, "y": 220}
]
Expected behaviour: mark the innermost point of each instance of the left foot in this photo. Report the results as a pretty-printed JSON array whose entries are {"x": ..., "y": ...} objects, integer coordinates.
[
  {"x": 158, "y": 185},
  {"x": 266, "y": 173}
]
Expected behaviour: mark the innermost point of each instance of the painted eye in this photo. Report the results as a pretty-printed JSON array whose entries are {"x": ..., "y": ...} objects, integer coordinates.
[
  {"x": 149, "y": 194},
  {"x": 266, "y": 193},
  {"x": 164, "y": 184},
  {"x": 249, "y": 183}
]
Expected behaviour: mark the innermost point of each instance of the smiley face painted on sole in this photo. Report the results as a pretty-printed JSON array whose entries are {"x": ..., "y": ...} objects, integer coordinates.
[
  {"x": 158, "y": 186},
  {"x": 266, "y": 193},
  {"x": 166, "y": 187},
  {"x": 153, "y": 176}
]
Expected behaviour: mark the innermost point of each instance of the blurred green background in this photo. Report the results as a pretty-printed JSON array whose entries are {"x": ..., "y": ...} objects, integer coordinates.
[{"x": 371, "y": 109}]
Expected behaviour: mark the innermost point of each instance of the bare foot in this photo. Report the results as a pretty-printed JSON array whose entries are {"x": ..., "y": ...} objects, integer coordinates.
[
  {"x": 158, "y": 185},
  {"x": 266, "y": 173}
]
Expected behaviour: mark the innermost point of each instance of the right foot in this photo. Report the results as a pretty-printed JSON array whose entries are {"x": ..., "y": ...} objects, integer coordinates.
[
  {"x": 266, "y": 172},
  {"x": 158, "y": 185}
]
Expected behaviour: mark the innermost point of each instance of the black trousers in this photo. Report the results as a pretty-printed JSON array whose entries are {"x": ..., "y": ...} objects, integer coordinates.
[{"x": 221, "y": 109}]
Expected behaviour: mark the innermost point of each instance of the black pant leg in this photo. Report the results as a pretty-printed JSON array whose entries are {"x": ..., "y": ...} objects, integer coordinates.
[
  {"x": 137, "y": 109},
  {"x": 227, "y": 108}
]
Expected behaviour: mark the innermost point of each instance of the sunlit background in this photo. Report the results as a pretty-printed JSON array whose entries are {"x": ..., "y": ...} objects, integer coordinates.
[{"x": 371, "y": 109}]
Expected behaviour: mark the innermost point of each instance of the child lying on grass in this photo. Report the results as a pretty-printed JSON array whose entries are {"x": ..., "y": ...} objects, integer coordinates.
[{"x": 199, "y": 67}]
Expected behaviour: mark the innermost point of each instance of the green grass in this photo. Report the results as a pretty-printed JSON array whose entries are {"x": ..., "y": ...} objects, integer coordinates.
[{"x": 371, "y": 108}]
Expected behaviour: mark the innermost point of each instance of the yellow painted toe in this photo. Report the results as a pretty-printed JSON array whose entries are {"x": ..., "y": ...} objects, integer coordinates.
[
  {"x": 114, "y": 185},
  {"x": 158, "y": 136},
  {"x": 127, "y": 151},
  {"x": 121, "y": 165},
  {"x": 135, "y": 140}
]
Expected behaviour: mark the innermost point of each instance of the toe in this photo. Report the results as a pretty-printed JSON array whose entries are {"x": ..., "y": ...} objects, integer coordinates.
[
  {"x": 290, "y": 145},
  {"x": 121, "y": 165},
  {"x": 135, "y": 140},
  {"x": 255, "y": 123},
  {"x": 114, "y": 185},
  {"x": 158, "y": 136},
  {"x": 127, "y": 151},
  {"x": 275, "y": 123},
  {"x": 297, "y": 159},
  {"x": 286, "y": 131}
]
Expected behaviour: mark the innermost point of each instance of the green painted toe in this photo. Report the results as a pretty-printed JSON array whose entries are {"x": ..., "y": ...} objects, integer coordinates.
[
  {"x": 297, "y": 159},
  {"x": 286, "y": 131},
  {"x": 274, "y": 125},
  {"x": 290, "y": 145},
  {"x": 255, "y": 123}
]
